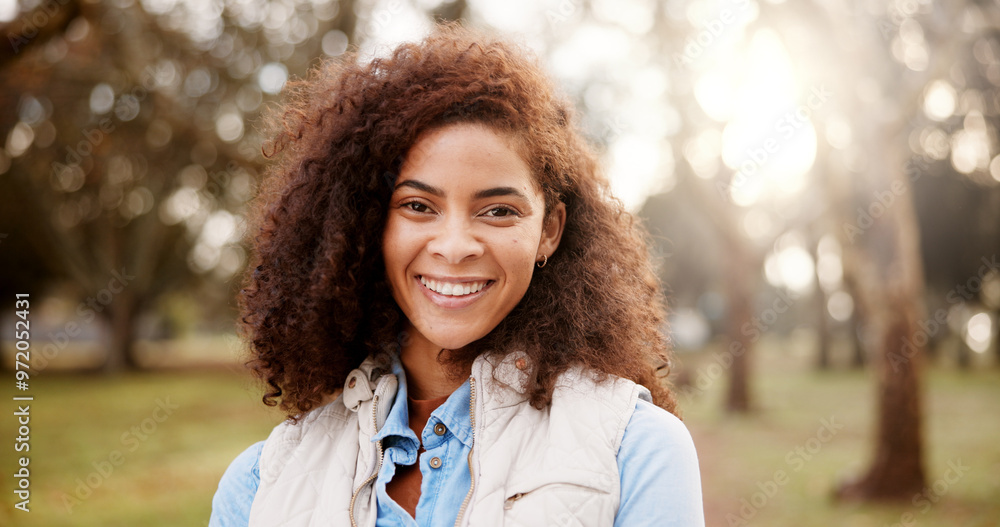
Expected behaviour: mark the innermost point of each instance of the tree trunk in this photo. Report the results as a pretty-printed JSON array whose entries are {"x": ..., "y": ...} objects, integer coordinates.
[
  {"x": 859, "y": 357},
  {"x": 822, "y": 332},
  {"x": 121, "y": 353},
  {"x": 897, "y": 470},
  {"x": 450, "y": 11},
  {"x": 996, "y": 339},
  {"x": 740, "y": 274},
  {"x": 964, "y": 355},
  {"x": 742, "y": 268},
  {"x": 891, "y": 279}
]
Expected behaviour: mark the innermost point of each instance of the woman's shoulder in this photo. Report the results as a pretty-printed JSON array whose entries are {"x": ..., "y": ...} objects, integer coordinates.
[
  {"x": 245, "y": 467},
  {"x": 239, "y": 484},
  {"x": 652, "y": 423},
  {"x": 657, "y": 449},
  {"x": 237, "y": 488},
  {"x": 328, "y": 420},
  {"x": 657, "y": 445},
  {"x": 658, "y": 467},
  {"x": 330, "y": 411}
]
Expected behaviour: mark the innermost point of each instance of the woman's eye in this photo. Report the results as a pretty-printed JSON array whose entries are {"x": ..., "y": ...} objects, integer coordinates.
[
  {"x": 501, "y": 212},
  {"x": 416, "y": 206}
]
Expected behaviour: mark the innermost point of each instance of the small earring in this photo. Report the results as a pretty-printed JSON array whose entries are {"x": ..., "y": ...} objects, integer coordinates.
[{"x": 545, "y": 260}]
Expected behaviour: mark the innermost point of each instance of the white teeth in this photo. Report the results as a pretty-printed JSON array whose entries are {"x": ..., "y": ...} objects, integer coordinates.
[{"x": 452, "y": 289}]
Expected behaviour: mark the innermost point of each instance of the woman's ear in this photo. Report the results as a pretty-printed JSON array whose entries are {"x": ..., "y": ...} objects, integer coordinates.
[{"x": 552, "y": 230}]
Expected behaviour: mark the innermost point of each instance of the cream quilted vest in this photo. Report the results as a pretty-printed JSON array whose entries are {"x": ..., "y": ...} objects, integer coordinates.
[{"x": 556, "y": 467}]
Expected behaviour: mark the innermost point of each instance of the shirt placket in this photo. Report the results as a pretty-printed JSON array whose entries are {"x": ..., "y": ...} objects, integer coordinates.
[
  {"x": 443, "y": 464},
  {"x": 436, "y": 467}
]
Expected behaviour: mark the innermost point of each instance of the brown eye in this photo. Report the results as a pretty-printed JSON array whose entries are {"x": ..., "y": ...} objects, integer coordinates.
[
  {"x": 501, "y": 212},
  {"x": 416, "y": 206}
]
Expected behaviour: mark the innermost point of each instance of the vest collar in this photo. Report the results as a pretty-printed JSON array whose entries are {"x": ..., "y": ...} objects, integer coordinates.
[{"x": 501, "y": 382}]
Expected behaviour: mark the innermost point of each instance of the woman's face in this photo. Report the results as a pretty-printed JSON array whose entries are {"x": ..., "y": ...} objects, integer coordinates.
[{"x": 464, "y": 230}]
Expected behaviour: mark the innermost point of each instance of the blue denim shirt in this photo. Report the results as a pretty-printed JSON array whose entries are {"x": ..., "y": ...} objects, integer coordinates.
[{"x": 657, "y": 462}]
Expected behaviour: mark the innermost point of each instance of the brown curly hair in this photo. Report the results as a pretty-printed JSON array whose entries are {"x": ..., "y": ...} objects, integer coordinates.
[{"x": 316, "y": 301}]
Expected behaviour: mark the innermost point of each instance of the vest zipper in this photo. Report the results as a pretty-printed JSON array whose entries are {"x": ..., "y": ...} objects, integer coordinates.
[
  {"x": 378, "y": 466},
  {"x": 508, "y": 504},
  {"x": 472, "y": 477}
]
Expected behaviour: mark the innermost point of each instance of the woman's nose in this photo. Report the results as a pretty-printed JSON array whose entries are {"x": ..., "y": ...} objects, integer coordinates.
[{"x": 454, "y": 241}]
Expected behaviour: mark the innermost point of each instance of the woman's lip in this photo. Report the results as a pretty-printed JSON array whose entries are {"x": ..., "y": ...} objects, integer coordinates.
[
  {"x": 453, "y": 302},
  {"x": 452, "y": 279}
]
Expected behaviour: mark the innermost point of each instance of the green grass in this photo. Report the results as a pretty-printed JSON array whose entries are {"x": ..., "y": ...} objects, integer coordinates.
[
  {"x": 170, "y": 477},
  {"x": 962, "y": 412},
  {"x": 168, "y": 470}
]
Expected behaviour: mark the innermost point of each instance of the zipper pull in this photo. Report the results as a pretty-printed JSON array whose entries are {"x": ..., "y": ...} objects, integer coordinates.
[{"x": 509, "y": 503}]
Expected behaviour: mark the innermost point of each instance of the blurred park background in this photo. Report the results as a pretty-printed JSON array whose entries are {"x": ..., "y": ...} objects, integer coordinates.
[{"x": 821, "y": 179}]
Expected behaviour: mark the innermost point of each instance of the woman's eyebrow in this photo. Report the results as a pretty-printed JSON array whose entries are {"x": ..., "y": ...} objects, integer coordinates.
[
  {"x": 499, "y": 191},
  {"x": 480, "y": 194},
  {"x": 421, "y": 186}
]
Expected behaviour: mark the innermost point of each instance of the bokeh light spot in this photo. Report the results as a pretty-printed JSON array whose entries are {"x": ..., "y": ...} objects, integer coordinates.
[{"x": 939, "y": 100}]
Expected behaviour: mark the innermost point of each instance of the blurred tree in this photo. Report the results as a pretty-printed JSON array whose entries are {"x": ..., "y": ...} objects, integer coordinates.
[
  {"x": 880, "y": 251},
  {"x": 129, "y": 154},
  {"x": 823, "y": 361},
  {"x": 740, "y": 271},
  {"x": 934, "y": 138},
  {"x": 883, "y": 64},
  {"x": 450, "y": 10}
]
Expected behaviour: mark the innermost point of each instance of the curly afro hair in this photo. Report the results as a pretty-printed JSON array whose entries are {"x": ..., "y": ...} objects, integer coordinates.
[{"x": 316, "y": 301}]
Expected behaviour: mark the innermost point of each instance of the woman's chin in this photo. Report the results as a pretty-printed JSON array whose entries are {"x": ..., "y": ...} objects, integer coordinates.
[{"x": 452, "y": 342}]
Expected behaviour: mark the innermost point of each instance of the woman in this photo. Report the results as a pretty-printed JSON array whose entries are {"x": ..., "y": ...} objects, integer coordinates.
[{"x": 460, "y": 321}]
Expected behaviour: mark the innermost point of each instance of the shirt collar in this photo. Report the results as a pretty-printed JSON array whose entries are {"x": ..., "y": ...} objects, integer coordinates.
[
  {"x": 397, "y": 422},
  {"x": 454, "y": 413}
]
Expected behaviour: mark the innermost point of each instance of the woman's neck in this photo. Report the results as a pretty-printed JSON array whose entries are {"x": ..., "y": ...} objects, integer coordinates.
[{"x": 426, "y": 376}]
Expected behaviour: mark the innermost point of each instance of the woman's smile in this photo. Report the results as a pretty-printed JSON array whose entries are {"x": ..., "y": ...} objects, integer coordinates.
[{"x": 454, "y": 293}]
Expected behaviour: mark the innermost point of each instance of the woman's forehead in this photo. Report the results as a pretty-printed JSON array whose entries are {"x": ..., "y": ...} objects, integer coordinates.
[{"x": 466, "y": 154}]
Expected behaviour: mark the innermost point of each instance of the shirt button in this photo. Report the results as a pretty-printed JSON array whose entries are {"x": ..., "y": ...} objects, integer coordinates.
[
  {"x": 440, "y": 429},
  {"x": 435, "y": 462}
]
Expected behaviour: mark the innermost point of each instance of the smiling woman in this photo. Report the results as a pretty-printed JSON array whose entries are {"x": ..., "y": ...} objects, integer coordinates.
[
  {"x": 461, "y": 322},
  {"x": 465, "y": 226}
]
